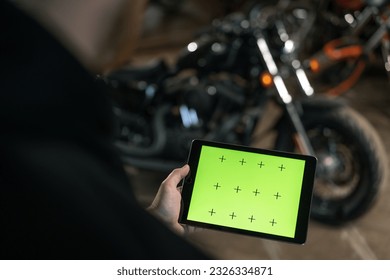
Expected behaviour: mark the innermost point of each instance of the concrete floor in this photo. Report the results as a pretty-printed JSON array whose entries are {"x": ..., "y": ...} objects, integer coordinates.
[{"x": 365, "y": 238}]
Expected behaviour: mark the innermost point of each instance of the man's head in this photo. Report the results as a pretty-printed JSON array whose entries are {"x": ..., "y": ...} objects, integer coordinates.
[{"x": 101, "y": 33}]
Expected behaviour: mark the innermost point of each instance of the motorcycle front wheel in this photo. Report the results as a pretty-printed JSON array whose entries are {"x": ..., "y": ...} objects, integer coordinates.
[{"x": 351, "y": 165}]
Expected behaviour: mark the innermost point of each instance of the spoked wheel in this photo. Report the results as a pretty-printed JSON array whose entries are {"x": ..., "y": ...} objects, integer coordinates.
[
  {"x": 351, "y": 163},
  {"x": 338, "y": 174}
]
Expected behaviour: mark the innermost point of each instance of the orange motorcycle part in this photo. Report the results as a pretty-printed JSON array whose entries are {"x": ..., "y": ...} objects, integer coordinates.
[
  {"x": 339, "y": 50},
  {"x": 350, "y": 81},
  {"x": 353, "y": 5}
]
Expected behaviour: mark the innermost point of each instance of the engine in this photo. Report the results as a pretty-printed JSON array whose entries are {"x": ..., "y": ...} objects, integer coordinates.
[{"x": 204, "y": 108}]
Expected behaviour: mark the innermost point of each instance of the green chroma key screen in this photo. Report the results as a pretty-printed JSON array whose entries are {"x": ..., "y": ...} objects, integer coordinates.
[{"x": 248, "y": 190}]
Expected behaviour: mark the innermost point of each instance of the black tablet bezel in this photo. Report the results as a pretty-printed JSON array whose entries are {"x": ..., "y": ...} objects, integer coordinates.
[{"x": 304, "y": 203}]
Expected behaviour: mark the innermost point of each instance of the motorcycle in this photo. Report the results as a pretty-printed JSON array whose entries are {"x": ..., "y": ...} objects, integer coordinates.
[
  {"x": 219, "y": 89},
  {"x": 341, "y": 38},
  {"x": 363, "y": 38}
]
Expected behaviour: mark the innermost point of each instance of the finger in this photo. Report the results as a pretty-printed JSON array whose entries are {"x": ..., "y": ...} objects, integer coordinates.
[
  {"x": 177, "y": 175},
  {"x": 191, "y": 229}
]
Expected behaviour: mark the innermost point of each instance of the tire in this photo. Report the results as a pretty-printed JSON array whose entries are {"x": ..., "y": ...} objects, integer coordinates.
[{"x": 351, "y": 162}]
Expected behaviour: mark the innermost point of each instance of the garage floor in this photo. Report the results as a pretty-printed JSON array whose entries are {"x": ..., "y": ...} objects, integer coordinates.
[{"x": 365, "y": 238}]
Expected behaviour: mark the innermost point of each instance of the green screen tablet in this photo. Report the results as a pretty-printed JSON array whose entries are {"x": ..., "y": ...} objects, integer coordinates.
[{"x": 248, "y": 190}]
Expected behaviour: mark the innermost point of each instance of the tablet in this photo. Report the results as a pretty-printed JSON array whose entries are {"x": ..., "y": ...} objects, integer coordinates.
[{"x": 248, "y": 190}]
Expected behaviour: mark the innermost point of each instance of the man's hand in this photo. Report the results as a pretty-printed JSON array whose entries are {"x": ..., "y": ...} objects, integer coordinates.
[{"x": 166, "y": 204}]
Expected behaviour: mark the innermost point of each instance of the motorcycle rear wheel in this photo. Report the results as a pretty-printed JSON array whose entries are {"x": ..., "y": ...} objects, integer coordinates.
[{"x": 351, "y": 166}]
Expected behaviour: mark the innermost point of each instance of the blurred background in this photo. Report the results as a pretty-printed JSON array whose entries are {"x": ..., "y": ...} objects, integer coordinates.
[{"x": 167, "y": 28}]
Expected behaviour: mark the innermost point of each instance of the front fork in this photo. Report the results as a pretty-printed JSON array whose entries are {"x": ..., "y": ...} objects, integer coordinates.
[
  {"x": 301, "y": 138},
  {"x": 302, "y": 141}
]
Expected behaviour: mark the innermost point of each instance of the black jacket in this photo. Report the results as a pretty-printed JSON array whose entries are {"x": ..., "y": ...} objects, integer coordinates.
[{"x": 63, "y": 191}]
